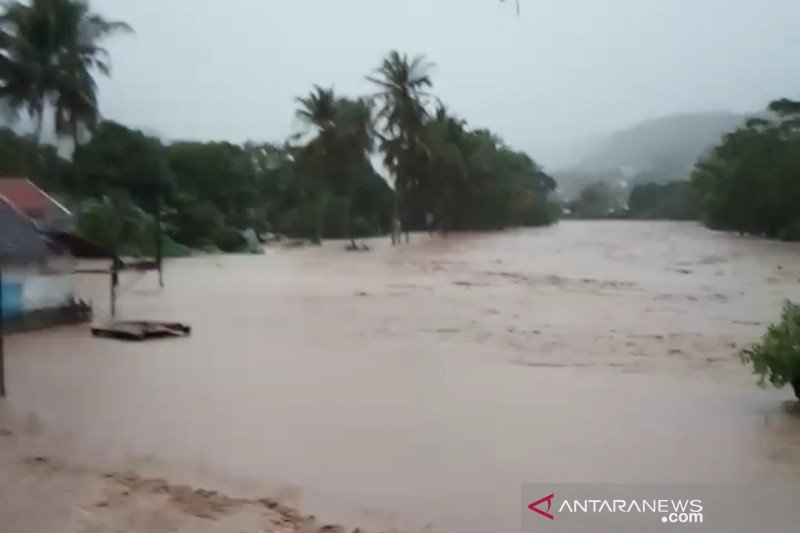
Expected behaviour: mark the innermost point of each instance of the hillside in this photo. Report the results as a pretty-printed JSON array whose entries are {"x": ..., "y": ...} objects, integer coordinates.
[{"x": 657, "y": 150}]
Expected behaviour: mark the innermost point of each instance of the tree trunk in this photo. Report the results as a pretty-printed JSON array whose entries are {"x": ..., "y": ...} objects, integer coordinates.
[
  {"x": 159, "y": 237},
  {"x": 404, "y": 221},
  {"x": 76, "y": 142},
  {"x": 349, "y": 193},
  {"x": 39, "y": 126},
  {"x": 395, "y": 225},
  {"x": 320, "y": 219},
  {"x": 348, "y": 230}
]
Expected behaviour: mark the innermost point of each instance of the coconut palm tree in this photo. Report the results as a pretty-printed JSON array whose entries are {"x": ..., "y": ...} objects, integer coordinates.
[
  {"x": 402, "y": 96},
  {"x": 445, "y": 138},
  {"x": 49, "y": 54},
  {"x": 402, "y": 103},
  {"x": 318, "y": 109},
  {"x": 354, "y": 134},
  {"x": 337, "y": 156}
]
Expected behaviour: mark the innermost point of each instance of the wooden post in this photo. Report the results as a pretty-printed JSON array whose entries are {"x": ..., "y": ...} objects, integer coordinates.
[
  {"x": 114, "y": 281},
  {"x": 159, "y": 251},
  {"x": 2, "y": 325}
]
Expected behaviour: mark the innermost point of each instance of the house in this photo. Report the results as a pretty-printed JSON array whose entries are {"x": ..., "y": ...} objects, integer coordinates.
[
  {"x": 36, "y": 204},
  {"x": 35, "y": 276}
]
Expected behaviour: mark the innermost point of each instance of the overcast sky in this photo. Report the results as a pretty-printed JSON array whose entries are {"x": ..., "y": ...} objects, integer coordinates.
[{"x": 563, "y": 70}]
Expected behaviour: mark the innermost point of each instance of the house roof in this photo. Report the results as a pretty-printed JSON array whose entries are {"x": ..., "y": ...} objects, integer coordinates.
[
  {"x": 19, "y": 238},
  {"x": 29, "y": 198}
]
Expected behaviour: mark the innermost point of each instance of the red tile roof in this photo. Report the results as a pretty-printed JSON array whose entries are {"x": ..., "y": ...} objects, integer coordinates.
[{"x": 29, "y": 198}]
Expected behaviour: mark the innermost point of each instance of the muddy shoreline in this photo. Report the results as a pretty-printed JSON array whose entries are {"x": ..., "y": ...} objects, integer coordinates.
[{"x": 92, "y": 500}]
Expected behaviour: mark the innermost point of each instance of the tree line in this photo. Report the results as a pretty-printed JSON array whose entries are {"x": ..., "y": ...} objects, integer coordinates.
[
  {"x": 647, "y": 200},
  {"x": 442, "y": 174},
  {"x": 439, "y": 173},
  {"x": 750, "y": 182}
]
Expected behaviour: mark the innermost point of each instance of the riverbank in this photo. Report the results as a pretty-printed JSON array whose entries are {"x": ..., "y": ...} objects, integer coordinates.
[
  {"x": 417, "y": 387},
  {"x": 49, "y": 494}
]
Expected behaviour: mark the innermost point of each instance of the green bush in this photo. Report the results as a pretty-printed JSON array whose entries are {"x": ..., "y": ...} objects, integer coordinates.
[
  {"x": 334, "y": 218},
  {"x": 170, "y": 248},
  {"x": 303, "y": 222},
  {"x": 102, "y": 222},
  {"x": 289, "y": 223},
  {"x": 209, "y": 247},
  {"x": 229, "y": 240},
  {"x": 790, "y": 232},
  {"x": 546, "y": 211},
  {"x": 195, "y": 222},
  {"x": 777, "y": 357},
  {"x": 361, "y": 227}
]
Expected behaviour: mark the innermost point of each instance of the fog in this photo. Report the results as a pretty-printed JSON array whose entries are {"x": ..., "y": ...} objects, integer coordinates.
[{"x": 561, "y": 71}]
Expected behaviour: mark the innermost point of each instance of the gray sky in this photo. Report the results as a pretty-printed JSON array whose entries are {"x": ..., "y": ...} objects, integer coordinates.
[{"x": 563, "y": 70}]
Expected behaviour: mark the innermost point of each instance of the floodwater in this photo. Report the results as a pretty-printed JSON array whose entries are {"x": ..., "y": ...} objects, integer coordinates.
[{"x": 418, "y": 387}]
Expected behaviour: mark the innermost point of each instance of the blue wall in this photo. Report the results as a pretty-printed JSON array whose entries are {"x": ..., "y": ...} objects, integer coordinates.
[{"x": 12, "y": 298}]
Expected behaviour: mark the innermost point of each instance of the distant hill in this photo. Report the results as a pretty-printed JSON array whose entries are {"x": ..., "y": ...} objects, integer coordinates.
[
  {"x": 658, "y": 150},
  {"x": 675, "y": 141}
]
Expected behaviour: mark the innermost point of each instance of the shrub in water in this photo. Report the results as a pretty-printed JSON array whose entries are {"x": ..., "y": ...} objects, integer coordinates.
[
  {"x": 777, "y": 357},
  {"x": 790, "y": 232},
  {"x": 230, "y": 240},
  {"x": 363, "y": 228}
]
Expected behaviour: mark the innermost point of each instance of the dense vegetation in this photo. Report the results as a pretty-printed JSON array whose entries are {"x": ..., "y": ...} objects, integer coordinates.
[
  {"x": 643, "y": 172},
  {"x": 598, "y": 199},
  {"x": 660, "y": 150},
  {"x": 750, "y": 183},
  {"x": 321, "y": 183},
  {"x": 675, "y": 200},
  {"x": 776, "y": 358}
]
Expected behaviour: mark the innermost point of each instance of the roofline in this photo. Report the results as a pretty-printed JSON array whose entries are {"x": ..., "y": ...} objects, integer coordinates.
[
  {"x": 16, "y": 209},
  {"x": 25, "y": 217},
  {"x": 55, "y": 202}
]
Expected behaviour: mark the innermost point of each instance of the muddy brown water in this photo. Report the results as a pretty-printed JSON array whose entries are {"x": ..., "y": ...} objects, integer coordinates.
[{"x": 419, "y": 386}]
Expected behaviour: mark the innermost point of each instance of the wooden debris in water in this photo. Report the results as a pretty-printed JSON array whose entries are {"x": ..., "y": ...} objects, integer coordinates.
[{"x": 141, "y": 330}]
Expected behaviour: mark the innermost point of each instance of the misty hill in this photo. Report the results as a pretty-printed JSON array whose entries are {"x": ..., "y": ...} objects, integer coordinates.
[{"x": 658, "y": 150}]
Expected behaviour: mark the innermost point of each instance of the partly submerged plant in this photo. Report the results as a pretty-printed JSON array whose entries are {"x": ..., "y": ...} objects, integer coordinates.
[{"x": 777, "y": 357}]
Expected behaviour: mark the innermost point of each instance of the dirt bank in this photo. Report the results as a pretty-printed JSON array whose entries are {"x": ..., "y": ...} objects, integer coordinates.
[{"x": 49, "y": 494}]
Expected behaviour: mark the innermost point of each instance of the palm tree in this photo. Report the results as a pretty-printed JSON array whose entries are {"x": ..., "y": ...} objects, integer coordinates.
[
  {"x": 318, "y": 109},
  {"x": 337, "y": 156},
  {"x": 354, "y": 133},
  {"x": 49, "y": 53},
  {"x": 445, "y": 140},
  {"x": 402, "y": 100},
  {"x": 402, "y": 83},
  {"x": 318, "y": 112}
]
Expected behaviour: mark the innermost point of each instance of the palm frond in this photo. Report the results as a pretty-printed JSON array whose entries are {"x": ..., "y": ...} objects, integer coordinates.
[{"x": 49, "y": 52}]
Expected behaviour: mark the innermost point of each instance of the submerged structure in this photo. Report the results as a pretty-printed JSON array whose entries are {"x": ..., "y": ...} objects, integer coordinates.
[
  {"x": 45, "y": 211},
  {"x": 36, "y": 285}
]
